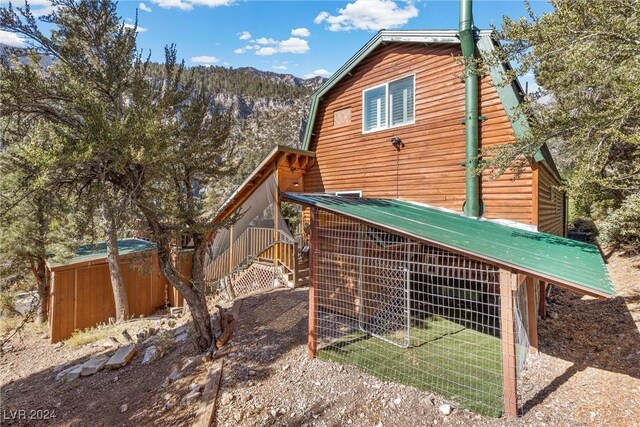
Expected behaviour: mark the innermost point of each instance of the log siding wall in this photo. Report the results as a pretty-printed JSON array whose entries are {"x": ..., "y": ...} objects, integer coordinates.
[
  {"x": 428, "y": 169},
  {"x": 551, "y": 203}
]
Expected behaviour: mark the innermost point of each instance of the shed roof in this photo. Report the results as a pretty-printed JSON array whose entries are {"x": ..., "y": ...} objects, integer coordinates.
[
  {"x": 555, "y": 259},
  {"x": 98, "y": 251}
]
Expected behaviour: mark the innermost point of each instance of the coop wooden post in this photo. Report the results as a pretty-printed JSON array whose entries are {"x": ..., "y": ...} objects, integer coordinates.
[
  {"x": 542, "y": 309},
  {"x": 312, "y": 341},
  {"x": 508, "y": 283},
  {"x": 532, "y": 315}
]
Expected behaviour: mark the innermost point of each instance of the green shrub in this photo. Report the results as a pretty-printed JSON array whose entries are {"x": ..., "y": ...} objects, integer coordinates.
[{"x": 622, "y": 227}]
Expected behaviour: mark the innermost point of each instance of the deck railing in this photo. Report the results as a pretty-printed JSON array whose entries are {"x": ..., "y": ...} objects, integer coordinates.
[{"x": 253, "y": 243}]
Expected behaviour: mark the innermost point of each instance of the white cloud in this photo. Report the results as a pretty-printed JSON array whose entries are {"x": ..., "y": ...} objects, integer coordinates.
[
  {"x": 319, "y": 73},
  {"x": 293, "y": 45},
  {"x": 266, "y": 51},
  {"x": 279, "y": 67},
  {"x": 264, "y": 40},
  {"x": 267, "y": 46},
  {"x": 245, "y": 35},
  {"x": 372, "y": 15},
  {"x": 300, "y": 32},
  {"x": 189, "y": 4},
  {"x": 144, "y": 7},
  {"x": 11, "y": 39},
  {"x": 204, "y": 59},
  {"x": 38, "y": 7},
  {"x": 139, "y": 29}
]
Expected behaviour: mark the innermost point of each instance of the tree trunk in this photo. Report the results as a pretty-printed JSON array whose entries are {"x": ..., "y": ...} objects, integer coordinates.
[
  {"x": 42, "y": 280},
  {"x": 193, "y": 295},
  {"x": 191, "y": 289},
  {"x": 113, "y": 259}
]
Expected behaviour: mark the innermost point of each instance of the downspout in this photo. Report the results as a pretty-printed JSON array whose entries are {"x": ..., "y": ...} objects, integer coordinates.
[{"x": 472, "y": 191}]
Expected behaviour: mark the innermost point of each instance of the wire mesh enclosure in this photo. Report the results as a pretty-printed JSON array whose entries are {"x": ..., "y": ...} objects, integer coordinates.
[{"x": 411, "y": 313}]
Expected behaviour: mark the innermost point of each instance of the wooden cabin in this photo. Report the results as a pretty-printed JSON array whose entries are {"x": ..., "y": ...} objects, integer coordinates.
[
  {"x": 383, "y": 182},
  {"x": 407, "y": 85}
]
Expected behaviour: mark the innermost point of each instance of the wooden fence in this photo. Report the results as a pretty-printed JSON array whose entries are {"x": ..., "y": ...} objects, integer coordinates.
[{"x": 81, "y": 295}]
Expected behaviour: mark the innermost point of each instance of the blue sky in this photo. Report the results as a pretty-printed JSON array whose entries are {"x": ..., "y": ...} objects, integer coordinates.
[{"x": 298, "y": 37}]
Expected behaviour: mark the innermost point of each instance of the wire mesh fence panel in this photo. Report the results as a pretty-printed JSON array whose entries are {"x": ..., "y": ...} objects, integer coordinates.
[{"x": 408, "y": 312}]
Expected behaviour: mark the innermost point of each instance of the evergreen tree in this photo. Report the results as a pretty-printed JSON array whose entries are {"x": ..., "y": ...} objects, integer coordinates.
[{"x": 585, "y": 55}]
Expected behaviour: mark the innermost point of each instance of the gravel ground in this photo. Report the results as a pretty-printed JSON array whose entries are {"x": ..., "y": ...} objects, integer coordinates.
[{"x": 587, "y": 373}]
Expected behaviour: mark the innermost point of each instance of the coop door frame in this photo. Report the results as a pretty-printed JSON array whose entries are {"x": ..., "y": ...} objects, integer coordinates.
[{"x": 362, "y": 324}]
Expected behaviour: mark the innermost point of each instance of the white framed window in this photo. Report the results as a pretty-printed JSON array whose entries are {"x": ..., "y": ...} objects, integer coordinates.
[{"x": 389, "y": 105}]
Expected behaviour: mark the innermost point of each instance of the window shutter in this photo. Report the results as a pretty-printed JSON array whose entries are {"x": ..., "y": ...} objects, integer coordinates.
[
  {"x": 401, "y": 101},
  {"x": 375, "y": 108}
]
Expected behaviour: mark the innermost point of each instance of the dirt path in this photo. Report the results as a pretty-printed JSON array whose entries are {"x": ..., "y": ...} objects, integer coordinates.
[{"x": 588, "y": 373}]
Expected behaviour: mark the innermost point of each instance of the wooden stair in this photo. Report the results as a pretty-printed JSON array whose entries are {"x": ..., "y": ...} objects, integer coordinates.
[{"x": 303, "y": 275}]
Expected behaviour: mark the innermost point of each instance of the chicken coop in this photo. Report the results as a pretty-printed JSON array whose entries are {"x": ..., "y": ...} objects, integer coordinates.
[{"x": 457, "y": 319}]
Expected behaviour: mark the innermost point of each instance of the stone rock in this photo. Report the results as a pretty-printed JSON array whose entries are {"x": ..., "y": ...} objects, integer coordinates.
[
  {"x": 190, "y": 398},
  {"x": 93, "y": 365},
  {"x": 180, "y": 330},
  {"x": 149, "y": 354},
  {"x": 124, "y": 407},
  {"x": 63, "y": 372},
  {"x": 445, "y": 409},
  {"x": 176, "y": 311},
  {"x": 73, "y": 373},
  {"x": 192, "y": 363},
  {"x": 122, "y": 356},
  {"x": 397, "y": 401},
  {"x": 127, "y": 335},
  {"x": 195, "y": 387},
  {"x": 181, "y": 338},
  {"x": 57, "y": 368},
  {"x": 150, "y": 341},
  {"x": 226, "y": 398},
  {"x": 174, "y": 376}
]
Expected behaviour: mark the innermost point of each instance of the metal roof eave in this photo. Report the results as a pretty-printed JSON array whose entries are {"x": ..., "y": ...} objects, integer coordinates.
[
  {"x": 306, "y": 200},
  {"x": 511, "y": 96}
]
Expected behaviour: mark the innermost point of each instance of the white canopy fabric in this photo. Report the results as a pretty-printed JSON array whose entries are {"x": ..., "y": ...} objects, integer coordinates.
[{"x": 257, "y": 212}]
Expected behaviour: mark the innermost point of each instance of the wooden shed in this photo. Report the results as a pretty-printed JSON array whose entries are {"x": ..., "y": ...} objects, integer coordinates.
[{"x": 81, "y": 295}]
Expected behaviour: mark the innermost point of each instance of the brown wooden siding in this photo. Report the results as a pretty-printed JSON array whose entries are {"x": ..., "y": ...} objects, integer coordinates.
[
  {"x": 82, "y": 297},
  {"x": 428, "y": 169},
  {"x": 551, "y": 203}
]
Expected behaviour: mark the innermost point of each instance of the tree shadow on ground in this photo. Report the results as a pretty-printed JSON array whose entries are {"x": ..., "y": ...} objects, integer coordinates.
[{"x": 589, "y": 333}]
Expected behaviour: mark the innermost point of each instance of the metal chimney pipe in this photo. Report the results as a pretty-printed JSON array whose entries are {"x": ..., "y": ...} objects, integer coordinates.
[{"x": 472, "y": 183}]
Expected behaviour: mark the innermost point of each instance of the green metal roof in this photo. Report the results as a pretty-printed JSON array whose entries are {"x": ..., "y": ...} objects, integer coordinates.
[
  {"x": 555, "y": 259},
  {"x": 96, "y": 251}
]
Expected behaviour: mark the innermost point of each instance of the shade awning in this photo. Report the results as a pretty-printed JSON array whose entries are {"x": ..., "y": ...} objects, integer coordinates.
[{"x": 555, "y": 259}]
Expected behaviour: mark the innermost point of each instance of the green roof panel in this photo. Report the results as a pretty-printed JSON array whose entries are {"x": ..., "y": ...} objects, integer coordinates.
[
  {"x": 556, "y": 259},
  {"x": 96, "y": 251}
]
